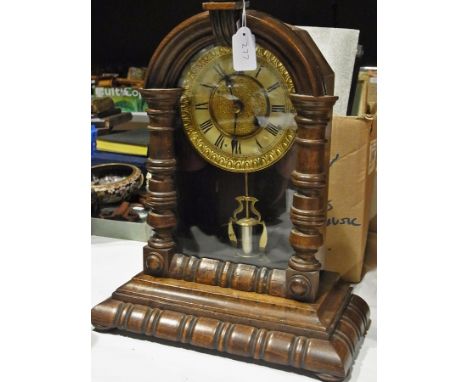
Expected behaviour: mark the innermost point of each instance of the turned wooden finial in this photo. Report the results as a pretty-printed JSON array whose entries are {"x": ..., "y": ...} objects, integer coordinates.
[
  {"x": 222, "y": 5},
  {"x": 223, "y": 17}
]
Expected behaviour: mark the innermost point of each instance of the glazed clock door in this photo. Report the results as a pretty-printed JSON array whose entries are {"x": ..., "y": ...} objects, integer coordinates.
[{"x": 234, "y": 142}]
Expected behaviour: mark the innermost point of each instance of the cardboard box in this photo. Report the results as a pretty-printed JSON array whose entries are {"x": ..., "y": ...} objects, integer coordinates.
[
  {"x": 353, "y": 160},
  {"x": 365, "y": 97}
]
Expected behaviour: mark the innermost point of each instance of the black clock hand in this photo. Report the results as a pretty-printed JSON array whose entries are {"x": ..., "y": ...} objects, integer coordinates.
[
  {"x": 235, "y": 123},
  {"x": 229, "y": 83},
  {"x": 234, "y": 142}
]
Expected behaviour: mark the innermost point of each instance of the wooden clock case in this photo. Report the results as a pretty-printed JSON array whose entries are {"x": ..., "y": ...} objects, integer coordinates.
[{"x": 301, "y": 316}]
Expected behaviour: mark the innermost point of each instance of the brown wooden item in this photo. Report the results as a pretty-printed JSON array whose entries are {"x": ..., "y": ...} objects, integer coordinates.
[
  {"x": 112, "y": 81},
  {"x": 111, "y": 121},
  {"x": 300, "y": 316},
  {"x": 101, "y": 105}
]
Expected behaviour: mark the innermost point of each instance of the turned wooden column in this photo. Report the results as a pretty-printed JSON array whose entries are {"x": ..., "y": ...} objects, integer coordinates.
[
  {"x": 309, "y": 209},
  {"x": 162, "y": 199},
  {"x": 223, "y": 17}
]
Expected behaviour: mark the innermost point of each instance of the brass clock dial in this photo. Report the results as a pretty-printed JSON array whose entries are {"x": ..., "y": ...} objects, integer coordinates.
[{"x": 238, "y": 121}]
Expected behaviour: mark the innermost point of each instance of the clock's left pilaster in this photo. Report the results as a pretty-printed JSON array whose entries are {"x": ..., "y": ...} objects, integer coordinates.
[{"x": 161, "y": 164}]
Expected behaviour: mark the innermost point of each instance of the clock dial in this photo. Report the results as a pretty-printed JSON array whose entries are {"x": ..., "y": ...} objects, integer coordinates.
[{"x": 239, "y": 121}]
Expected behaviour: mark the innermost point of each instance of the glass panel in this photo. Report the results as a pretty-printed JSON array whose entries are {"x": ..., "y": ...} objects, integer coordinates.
[{"x": 233, "y": 146}]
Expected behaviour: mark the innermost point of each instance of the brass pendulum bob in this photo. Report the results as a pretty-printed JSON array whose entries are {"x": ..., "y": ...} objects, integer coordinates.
[{"x": 247, "y": 223}]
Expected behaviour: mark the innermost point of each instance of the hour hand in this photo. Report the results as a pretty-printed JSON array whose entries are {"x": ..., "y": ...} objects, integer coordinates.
[
  {"x": 229, "y": 83},
  {"x": 227, "y": 79}
]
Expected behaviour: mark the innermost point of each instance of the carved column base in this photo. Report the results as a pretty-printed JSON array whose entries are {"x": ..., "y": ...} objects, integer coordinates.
[
  {"x": 156, "y": 262},
  {"x": 302, "y": 286},
  {"x": 322, "y": 338}
]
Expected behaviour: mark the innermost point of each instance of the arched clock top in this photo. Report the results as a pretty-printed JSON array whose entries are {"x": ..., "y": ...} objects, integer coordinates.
[{"x": 293, "y": 46}]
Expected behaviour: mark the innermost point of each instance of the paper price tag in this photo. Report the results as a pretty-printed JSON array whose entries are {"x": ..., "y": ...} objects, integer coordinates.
[{"x": 243, "y": 50}]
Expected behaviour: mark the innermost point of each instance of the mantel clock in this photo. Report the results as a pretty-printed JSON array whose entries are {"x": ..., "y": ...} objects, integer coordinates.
[{"x": 238, "y": 197}]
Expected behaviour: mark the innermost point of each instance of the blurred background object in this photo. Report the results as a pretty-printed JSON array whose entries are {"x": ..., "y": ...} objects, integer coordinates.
[
  {"x": 365, "y": 98},
  {"x": 116, "y": 47}
]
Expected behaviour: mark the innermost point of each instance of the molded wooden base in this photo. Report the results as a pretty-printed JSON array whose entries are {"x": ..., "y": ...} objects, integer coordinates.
[{"x": 322, "y": 338}]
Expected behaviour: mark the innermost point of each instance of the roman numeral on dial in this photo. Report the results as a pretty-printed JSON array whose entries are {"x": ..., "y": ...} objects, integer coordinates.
[
  {"x": 220, "y": 141},
  {"x": 236, "y": 146},
  {"x": 206, "y": 126},
  {"x": 272, "y": 129},
  {"x": 202, "y": 106},
  {"x": 276, "y": 85},
  {"x": 278, "y": 108}
]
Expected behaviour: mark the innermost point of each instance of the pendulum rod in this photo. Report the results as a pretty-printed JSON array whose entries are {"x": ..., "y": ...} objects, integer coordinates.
[{"x": 246, "y": 182}]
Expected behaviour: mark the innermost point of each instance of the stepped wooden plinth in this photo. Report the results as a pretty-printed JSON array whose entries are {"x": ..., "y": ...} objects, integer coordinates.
[{"x": 322, "y": 337}]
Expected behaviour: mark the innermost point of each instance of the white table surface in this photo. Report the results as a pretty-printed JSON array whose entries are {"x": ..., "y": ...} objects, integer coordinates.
[{"x": 118, "y": 358}]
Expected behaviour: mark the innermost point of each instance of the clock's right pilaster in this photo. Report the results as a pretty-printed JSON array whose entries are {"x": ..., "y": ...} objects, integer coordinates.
[{"x": 309, "y": 209}]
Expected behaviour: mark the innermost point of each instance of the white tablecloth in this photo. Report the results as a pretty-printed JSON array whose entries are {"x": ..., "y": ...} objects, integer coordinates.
[{"x": 118, "y": 358}]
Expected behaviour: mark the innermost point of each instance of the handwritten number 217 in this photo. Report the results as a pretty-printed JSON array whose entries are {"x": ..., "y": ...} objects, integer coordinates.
[{"x": 245, "y": 51}]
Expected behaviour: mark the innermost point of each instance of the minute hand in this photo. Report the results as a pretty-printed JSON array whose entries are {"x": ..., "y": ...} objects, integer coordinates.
[
  {"x": 228, "y": 81},
  {"x": 235, "y": 123},
  {"x": 234, "y": 141},
  {"x": 229, "y": 85}
]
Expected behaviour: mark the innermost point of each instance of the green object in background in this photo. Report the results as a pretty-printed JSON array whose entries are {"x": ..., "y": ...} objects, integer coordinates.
[{"x": 127, "y": 99}]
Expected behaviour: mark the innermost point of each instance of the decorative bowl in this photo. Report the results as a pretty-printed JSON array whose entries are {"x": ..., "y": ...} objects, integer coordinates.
[{"x": 115, "y": 182}]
